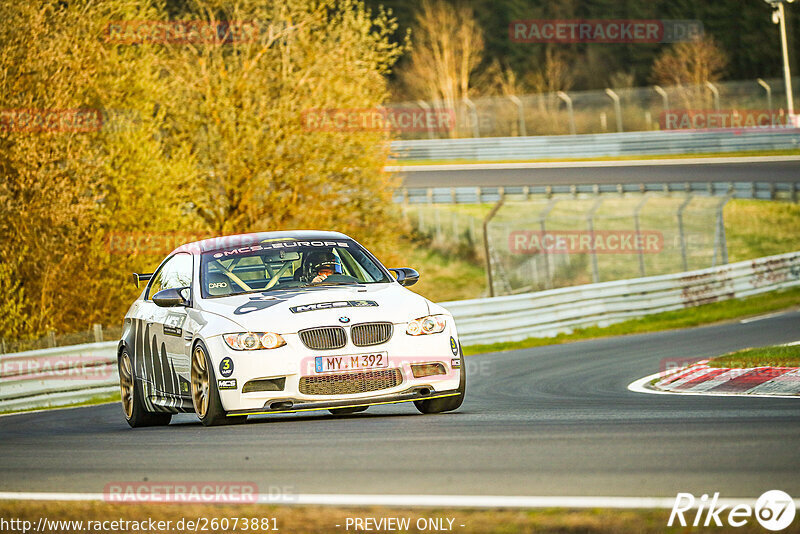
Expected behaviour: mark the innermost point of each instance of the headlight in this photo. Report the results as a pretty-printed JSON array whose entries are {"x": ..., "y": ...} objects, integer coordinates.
[
  {"x": 432, "y": 324},
  {"x": 254, "y": 340}
]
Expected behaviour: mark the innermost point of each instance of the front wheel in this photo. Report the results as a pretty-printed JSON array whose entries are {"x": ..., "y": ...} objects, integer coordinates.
[
  {"x": 132, "y": 395},
  {"x": 446, "y": 404},
  {"x": 205, "y": 396}
]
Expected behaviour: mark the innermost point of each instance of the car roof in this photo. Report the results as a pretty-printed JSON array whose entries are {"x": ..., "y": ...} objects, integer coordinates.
[{"x": 244, "y": 240}]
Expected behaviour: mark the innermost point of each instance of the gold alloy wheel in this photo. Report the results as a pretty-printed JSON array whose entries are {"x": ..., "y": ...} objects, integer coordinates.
[
  {"x": 126, "y": 384},
  {"x": 200, "y": 387}
]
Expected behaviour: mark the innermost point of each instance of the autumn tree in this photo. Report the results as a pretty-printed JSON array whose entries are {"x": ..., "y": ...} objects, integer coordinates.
[
  {"x": 185, "y": 138},
  {"x": 689, "y": 65},
  {"x": 447, "y": 46}
]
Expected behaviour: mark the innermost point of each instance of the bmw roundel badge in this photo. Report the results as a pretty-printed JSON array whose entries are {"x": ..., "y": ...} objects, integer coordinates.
[{"x": 344, "y": 319}]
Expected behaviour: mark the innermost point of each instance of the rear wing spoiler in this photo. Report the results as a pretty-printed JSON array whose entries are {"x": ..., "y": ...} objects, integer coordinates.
[{"x": 141, "y": 277}]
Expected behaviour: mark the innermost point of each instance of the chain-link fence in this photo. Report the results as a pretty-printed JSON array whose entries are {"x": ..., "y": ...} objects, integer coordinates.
[
  {"x": 562, "y": 241},
  {"x": 610, "y": 110}
]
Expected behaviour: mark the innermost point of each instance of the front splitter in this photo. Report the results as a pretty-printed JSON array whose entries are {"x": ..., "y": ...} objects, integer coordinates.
[{"x": 306, "y": 406}]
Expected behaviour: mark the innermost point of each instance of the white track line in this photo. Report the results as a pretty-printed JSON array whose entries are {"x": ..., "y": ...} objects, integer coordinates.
[
  {"x": 640, "y": 386},
  {"x": 435, "y": 501},
  {"x": 760, "y": 317},
  {"x": 582, "y": 164}
]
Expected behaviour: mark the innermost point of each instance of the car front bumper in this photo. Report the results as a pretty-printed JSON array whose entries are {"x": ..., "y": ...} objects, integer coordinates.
[{"x": 294, "y": 361}]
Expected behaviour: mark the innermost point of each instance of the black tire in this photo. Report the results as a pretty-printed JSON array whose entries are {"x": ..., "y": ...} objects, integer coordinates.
[
  {"x": 446, "y": 404},
  {"x": 348, "y": 411},
  {"x": 132, "y": 397},
  {"x": 205, "y": 398}
]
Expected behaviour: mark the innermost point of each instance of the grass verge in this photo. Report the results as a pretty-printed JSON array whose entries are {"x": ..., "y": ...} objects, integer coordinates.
[
  {"x": 99, "y": 399},
  {"x": 320, "y": 520},
  {"x": 775, "y": 356},
  {"x": 699, "y": 315}
]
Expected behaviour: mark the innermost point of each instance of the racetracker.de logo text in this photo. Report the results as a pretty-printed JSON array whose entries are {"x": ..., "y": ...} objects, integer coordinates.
[
  {"x": 604, "y": 31},
  {"x": 584, "y": 241},
  {"x": 379, "y": 120}
]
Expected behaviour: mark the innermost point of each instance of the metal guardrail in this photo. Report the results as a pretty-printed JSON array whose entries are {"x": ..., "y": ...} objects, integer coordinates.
[
  {"x": 64, "y": 375},
  {"x": 598, "y": 145},
  {"x": 478, "y": 195},
  {"x": 548, "y": 313},
  {"x": 57, "y": 376}
]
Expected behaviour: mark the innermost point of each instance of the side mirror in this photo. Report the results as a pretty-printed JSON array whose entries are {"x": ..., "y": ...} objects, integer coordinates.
[
  {"x": 141, "y": 277},
  {"x": 169, "y": 298},
  {"x": 405, "y": 276}
]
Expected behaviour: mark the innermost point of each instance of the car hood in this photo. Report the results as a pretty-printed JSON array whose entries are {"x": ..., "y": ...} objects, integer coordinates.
[{"x": 287, "y": 311}]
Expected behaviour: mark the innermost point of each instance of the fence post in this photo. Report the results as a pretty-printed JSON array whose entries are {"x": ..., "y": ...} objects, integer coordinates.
[
  {"x": 424, "y": 105},
  {"x": 98, "y": 332},
  {"x": 567, "y": 100},
  {"x": 486, "y": 221},
  {"x": 681, "y": 233},
  {"x": 548, "y": 268},
  {"x": 51, "y": 338},
  {"x": 664, "y": 98},
  {"x": 617, "y": 108},
  {"x": 721, "y": 229},
  {"x": 768, "y": 89},
  {"x": 520, "y": 114},
  {"x": 590, "y": 224},
  {"x": 636, "y": 212},
  {"x": 715, "y": 92},
  {"x": 476, "y": 130},
  {"x": 3, "y": 345}
]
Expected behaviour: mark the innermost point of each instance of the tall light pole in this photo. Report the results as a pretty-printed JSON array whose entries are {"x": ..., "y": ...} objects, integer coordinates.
[{"x": 779, "y": 17}]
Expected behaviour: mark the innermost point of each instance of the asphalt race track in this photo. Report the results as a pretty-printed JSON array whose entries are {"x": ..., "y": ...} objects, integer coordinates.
[
  {"x": 778, "y": 169},
  {"x": 548, "y": 421}
]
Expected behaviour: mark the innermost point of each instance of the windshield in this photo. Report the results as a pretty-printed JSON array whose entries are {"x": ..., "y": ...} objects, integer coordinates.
[{"x": 287, "y": 263}]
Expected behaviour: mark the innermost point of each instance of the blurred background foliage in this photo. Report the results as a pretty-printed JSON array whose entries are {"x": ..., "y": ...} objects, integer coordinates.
[
  {"x": 200, "y": 139},
  {"x": 206, "y": 139}
]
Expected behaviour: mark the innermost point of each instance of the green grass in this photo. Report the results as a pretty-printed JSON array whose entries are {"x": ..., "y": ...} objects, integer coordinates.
[
  {"x": 688, "y": 317},
  {"x": 443, "y": 276},
  {"x": 786, "y": 152},
  {"x": 777, "y": 356}
]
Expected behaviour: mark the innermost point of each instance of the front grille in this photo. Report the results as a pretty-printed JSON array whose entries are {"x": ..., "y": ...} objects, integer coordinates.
[
  {"x": 347, "y": 383},
  {"x": 329, "y": 337},
  {"x": 367, "y": 334}
]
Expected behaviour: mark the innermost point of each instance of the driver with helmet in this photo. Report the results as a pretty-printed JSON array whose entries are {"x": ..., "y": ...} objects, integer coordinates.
[{"x": 320, "y": 265}]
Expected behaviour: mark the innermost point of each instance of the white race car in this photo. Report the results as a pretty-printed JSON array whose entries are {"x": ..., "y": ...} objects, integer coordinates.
[{"x": 281, "y": 322}]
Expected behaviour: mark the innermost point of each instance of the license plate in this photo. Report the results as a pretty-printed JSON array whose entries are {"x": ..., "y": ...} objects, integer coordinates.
[{"x": 373, "y": 360}]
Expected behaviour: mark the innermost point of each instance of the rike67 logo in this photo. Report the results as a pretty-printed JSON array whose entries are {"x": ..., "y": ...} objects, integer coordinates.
[{"x": 774, "y": 510}]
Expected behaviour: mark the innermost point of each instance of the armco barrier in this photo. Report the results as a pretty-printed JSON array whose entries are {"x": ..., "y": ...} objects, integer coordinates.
[
  {"x": 598, "y": 145},
  {"x": 548, "y": 313},
  {"x": 64, "y": 375},
  {"x": 57, "y": 376}
]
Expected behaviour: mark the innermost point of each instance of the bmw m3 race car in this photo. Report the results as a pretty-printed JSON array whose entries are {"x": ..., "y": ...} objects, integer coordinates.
[{"x": 279, "y": 322}]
